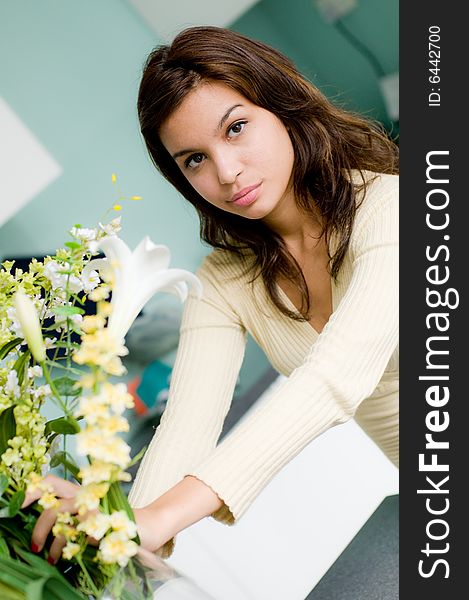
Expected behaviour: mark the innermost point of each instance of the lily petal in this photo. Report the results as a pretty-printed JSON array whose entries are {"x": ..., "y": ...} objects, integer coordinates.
[
  {"x": 137, "y": 276},
  {"x": 29, "y": 321}
]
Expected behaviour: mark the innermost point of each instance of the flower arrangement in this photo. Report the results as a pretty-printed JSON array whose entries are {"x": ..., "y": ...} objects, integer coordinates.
[{"x": 55, "y": 349}]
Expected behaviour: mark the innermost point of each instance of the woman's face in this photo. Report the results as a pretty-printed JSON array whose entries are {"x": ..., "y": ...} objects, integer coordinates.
[{"x": 236, "y": 155}]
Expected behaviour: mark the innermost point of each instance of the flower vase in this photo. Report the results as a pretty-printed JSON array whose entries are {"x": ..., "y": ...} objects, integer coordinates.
[{"x": 148, "y": 577}]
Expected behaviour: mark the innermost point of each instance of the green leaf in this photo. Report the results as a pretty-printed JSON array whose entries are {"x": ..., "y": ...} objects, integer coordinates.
[
  {"x": 7, "y": 428},
  {"x": 15, "y": 503},
  {"x": 21, "y": 364},
  {"x": 118, "y": 501},
  {"x": 4, "y": 550},
  {"x": 57, "y": 586},
  {"x": 63, "y": 458},
  {"x": 137, "y": 457},
  {"x": 67, "y": 311},
  {"x": 73, "y": 345},
  {"x": 72, "y": 245},
  {"x": 35, "y": 588},
  {"x": 59, "y": 589},
  {"x": 15, "y": 531},
  {"x": 65, "y": 386},
  {"x": 9, "y": 593},
  {"x": 3, "y": 483},
  {"x": 14, "y": 573},
  {"x": 9, "y": 346},
  {"x": 65, "y": 425}
]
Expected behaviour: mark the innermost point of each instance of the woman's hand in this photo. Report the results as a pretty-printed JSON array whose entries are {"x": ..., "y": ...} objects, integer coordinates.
[
  {"x": 65, "y": 492},
  {"x": 187, "y": 502},
  {"x": 184, "y": 504}
]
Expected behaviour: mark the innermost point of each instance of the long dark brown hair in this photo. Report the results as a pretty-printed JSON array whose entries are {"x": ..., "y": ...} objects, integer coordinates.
[{"x": 328, "y": 144}]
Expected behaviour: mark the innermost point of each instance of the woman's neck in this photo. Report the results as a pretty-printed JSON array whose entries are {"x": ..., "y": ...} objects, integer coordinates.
[{"x": 299, "y": 229}]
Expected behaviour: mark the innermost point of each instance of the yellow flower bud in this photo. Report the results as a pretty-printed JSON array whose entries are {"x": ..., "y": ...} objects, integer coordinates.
[{"x": 29, "y": 321}]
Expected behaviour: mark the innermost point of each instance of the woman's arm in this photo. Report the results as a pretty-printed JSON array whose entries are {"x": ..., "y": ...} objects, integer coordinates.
[
  {"x": 210, "y": 353},
  {"x": 184, "y": 504}
]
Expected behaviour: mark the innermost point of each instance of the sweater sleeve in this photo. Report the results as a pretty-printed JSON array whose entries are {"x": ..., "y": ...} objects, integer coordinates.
[
  {"x": 209, "y": 357},
  {"x": 342, "y": 368}
]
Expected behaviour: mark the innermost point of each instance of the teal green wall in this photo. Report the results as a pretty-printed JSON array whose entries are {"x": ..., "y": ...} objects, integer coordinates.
[
  {"x": 70, "y": 70},
  {"x": 324, "y": 55}
]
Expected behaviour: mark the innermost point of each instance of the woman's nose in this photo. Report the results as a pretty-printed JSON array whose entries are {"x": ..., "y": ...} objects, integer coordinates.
[{"x": 228, "y": 168}]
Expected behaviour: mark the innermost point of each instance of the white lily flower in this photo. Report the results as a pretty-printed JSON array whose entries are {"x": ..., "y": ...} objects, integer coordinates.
[
  {"x": 30, "y": 326},
  {"x": 136, "y": 276}
]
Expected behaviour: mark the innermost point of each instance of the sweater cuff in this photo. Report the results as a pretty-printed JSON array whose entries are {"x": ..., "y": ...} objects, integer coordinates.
[
  {"x": 224, "y": 515},
  {"x": 168, "y": 548}
]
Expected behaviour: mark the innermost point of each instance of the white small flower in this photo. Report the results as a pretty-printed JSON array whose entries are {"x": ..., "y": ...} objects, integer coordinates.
[
  {"x": 92, "y": 443},
  {"x": 89, "y": 496},
  {"x": 70, "y": 549},
  {"x": 84, "y": 233},
  {"x": 96, "y": 472},
  {"x": 46, "y": 466},
  {"x": 43, "y": 391},
  {"x": 113, "y": 549},
  {"x": 121, "y": 523},
  {"x": 15, "y": 326},
  {"x": 90, "y": 280},
  {"x": 35, "y": 371},
  {"x": 11, "y": 385},
  {"x": 49, "y": 343},
  {"x": 95, "y": 525},
  {"x": 111, "y": 228},
  {"x": 60, "y": 280},
  {"x": 61, "y": 321},
  {"x": 92, "y": 409}
]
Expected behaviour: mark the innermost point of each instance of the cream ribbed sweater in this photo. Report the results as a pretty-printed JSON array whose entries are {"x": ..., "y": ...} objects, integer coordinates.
[{"x": 350, "y": 369}]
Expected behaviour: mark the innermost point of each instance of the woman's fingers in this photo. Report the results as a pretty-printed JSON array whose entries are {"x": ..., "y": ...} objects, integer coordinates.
[
  {"x": 46, "y": 522},
  {"x": 55, "y": 551},
  {"x": 62, "y": 488}
]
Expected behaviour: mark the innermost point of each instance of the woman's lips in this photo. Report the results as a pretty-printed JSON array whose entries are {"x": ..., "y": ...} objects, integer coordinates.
[{"x": 247, "y": 196}]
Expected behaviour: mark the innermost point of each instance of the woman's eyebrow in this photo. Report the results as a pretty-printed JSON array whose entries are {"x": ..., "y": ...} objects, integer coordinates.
[
  {"x": 227, "y": 114},
  {"x": 220, "y": 125}
]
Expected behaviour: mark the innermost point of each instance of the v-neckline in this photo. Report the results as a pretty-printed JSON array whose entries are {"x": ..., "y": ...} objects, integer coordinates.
[{"x": 291, "y": 305}]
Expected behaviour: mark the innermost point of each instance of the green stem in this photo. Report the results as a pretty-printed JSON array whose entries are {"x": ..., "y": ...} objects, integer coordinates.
[
  {"x": 72, "y": 370},
  {"x": 56, "y": 394},
  {"x": 88, "y": 578},
  {"x": 136, "y": 579}
]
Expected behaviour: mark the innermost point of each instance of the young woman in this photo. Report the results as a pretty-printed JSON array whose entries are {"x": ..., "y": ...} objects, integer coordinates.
[{"x": 299, "y": 200}]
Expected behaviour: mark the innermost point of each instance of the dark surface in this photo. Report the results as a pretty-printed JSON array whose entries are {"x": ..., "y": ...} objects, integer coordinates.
[{"x": 368, "y": 568}]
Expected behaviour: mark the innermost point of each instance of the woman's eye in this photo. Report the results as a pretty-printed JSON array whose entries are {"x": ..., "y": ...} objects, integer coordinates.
[
  {"x": 236, "y": 128},
  {"x": 194, "y": 160}
]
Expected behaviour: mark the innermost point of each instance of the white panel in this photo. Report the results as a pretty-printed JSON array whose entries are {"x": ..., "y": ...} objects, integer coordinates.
[
  {"x": 168, "y": 18},
  {"x": 333, "y": 10},
  {"x": 298, "y": 525},
  {"x": 26, "y": 168},
  {"x": 389, "y": 85}
]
